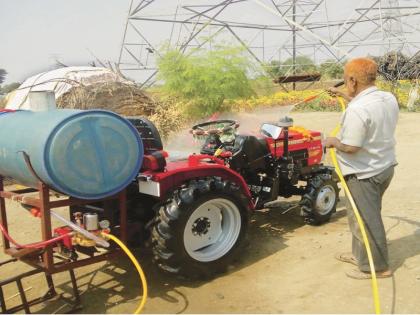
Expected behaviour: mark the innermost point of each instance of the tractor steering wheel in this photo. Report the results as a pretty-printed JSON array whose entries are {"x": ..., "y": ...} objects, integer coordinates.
[{"x": 216, "y": 127}]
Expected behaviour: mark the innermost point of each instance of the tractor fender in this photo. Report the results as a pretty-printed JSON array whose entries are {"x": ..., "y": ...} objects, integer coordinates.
[{"x": 180, "y": 172}]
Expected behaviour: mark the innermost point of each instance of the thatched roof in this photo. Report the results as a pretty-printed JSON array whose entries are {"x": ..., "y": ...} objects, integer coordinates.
[{"x": 124, "y": 99}]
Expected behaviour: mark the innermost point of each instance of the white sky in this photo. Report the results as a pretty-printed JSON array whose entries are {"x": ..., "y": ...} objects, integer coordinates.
[{"x": 33, "y": 33}]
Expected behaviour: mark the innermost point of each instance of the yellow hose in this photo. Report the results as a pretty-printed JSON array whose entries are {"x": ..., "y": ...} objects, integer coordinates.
[
  {"x": 137, "y": 265},
  {"x": 358, "y": 217}
]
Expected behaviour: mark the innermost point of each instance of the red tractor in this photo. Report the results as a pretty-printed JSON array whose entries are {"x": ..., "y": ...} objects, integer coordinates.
[{"x": 197, "y": 208}]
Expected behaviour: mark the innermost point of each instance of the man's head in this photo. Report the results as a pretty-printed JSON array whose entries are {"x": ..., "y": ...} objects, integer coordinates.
[{"x": 359, "y": 74}]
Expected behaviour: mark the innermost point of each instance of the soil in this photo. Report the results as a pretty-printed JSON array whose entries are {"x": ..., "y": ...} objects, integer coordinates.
[{"x": 287, "y": 266}]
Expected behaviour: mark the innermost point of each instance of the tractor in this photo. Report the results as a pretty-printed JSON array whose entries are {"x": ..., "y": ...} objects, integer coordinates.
[{"x": 196, "y": 209}]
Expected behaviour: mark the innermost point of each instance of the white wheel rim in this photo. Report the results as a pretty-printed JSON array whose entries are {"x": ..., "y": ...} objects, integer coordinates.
[
  {"x": 325, "y": 200},
  {"x": 212, "y": 230}
]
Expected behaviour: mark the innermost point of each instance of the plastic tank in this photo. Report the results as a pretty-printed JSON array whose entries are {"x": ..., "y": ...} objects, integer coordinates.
[{"x": 85, "y": 154}]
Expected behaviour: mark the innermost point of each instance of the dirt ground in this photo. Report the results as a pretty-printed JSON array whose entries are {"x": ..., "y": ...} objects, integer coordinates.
[{"x": 287, "y": 267}]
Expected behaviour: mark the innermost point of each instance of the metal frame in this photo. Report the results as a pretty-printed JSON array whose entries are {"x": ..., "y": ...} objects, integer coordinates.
[
  {"x": 45, "y": 204},
  {"x": 51, "y": 292},
  {"x": 44, "y": 260},
  {"x": 302, "y": 23}
]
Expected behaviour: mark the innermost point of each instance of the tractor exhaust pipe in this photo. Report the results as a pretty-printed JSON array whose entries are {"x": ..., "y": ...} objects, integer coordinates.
[{"x": 285, "y": 123}]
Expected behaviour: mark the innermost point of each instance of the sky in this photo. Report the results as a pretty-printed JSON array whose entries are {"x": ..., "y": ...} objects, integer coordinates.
[{"x": 33, "y": 33}]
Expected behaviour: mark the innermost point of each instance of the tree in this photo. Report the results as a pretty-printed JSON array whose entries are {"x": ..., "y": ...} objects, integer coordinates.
[
  {"x": 303, "y": 65},
  {"x": 3, "y": 74},
  {"x": 206, "y": 79},
  {"x": 7, "y": 88},
  {"x": 332, "y": 69},
  {"x": 274, "y": 68}
]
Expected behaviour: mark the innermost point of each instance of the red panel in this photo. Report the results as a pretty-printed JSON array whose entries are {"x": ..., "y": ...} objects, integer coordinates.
[
  {"x": 197, "y": 166},
  {"x": 297, "y": 141}
]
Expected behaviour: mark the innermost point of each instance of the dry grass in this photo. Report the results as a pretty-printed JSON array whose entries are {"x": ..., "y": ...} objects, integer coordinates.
[
  {"x": 126, "y": 100},
  {"x": 168, "y": 117}
]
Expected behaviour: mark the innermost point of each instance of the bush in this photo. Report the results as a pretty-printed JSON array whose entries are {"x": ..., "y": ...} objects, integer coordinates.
[{"x": 205, "y": 80}]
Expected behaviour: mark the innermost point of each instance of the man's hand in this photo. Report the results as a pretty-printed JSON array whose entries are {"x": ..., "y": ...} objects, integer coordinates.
[
  {"x": 333, "y": 142},
  {"x": 334, "y": 92}
]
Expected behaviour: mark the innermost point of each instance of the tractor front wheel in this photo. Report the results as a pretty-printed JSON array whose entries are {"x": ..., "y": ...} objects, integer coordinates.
[
  {"x": 320, "y": 200},
  {"x": 201, "y": 229}
]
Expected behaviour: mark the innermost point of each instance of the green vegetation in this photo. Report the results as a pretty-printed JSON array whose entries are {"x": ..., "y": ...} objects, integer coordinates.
[
  {"x": 303, "y": 65},
  {"x": 3, "y": 74},
  {"x": 203, "y": 81},
  {"x": 206, "y": 82},
  {"x": 7, "y": 88},
  {"x": 331, "y": 69}
]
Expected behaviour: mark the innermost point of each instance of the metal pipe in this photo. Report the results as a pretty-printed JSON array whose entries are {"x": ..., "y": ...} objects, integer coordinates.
[
  {"x": 286, "y": 143},
  {"x": 41, "y": 244}
]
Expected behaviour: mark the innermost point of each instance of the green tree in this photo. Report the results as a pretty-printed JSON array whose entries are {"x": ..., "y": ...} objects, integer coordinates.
[
  {"x": 7, "y": 88},
  {"x": 273, "y": 68},
  {"x": 332, "y": 69},
  {"x": 207, "y": 78},
  {"x": 3, "y": 74},
  {"x": 303, "y": 65}
]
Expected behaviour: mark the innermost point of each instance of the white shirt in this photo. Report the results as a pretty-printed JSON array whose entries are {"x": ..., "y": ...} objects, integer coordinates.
[{"x": 369, "y": 122}]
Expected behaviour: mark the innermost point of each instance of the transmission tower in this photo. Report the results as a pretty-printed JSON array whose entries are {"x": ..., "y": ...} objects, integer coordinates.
[
  {"x": 392, "y": 29},
  {"x": 267, "y": 29}
]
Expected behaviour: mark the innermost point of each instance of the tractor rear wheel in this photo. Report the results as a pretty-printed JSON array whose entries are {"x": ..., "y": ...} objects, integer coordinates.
[
  {"x": 201, "y": 229},
  {"x": 320, "y": 200}
]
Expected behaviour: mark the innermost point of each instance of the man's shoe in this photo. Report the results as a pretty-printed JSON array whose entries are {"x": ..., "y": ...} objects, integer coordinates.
[
  {"x": 360, "y": 275},
  {"x": 347, "y": 258}
]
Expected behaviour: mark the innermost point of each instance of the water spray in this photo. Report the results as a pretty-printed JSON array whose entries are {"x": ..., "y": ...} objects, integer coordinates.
[{"x": 312, "y": 97}]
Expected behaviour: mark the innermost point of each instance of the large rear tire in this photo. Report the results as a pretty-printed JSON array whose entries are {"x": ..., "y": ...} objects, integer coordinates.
[
  {"x": 201, "y": 229},
  {"x": 320, "y": 200}
]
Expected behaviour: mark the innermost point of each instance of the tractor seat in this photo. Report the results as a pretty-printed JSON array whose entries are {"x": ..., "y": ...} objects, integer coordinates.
[{"x": 249, "y": 153}]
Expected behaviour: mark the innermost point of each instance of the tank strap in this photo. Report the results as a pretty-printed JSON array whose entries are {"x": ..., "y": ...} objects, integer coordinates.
[{"x": 5, "y": 111}]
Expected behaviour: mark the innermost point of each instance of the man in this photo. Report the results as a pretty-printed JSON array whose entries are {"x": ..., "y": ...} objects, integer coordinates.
[{"x": 366, "y": 154}]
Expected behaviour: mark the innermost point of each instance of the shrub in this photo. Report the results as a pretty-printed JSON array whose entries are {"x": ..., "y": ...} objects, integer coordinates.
[{"x": 205, "y": 80}]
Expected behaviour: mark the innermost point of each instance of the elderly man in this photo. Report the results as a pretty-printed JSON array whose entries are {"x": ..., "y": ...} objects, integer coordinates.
[{"x": 366, "y": 154}]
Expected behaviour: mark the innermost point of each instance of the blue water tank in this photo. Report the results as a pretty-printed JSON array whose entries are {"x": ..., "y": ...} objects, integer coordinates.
[{"x": 85, "y": 154}]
